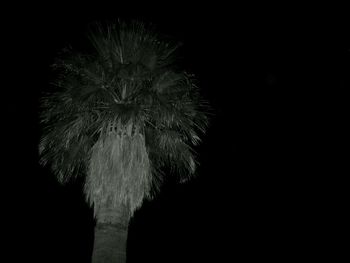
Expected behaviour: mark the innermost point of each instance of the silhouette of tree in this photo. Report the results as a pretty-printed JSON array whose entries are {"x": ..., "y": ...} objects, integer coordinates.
[{"x": 118, "y": 115}]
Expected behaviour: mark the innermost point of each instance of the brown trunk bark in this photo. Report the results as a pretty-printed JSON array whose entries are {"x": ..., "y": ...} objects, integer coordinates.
[{"x": 111, "y": 233}]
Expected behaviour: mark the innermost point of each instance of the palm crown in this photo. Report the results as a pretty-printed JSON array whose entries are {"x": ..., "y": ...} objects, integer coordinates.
[{"x": 121, "y": 114}]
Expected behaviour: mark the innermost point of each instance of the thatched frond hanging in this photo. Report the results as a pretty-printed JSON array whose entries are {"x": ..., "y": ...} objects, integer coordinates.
[{"x": 119, "y": 172}]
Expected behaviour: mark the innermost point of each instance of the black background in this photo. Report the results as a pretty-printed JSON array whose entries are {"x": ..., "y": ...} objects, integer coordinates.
[{"x": 269, "y": 184}]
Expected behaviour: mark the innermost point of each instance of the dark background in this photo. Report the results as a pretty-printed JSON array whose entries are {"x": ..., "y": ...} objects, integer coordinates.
[{"x": 269, "y": 184}]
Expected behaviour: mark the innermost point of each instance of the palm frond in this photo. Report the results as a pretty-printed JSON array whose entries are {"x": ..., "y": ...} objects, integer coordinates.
[
  {"x": 120, "y": 115},
  {"x": 120, "y": 161}
]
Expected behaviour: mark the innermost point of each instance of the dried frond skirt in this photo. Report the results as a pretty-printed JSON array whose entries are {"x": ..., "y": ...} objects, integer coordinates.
[{"x": 119, "y": 173}]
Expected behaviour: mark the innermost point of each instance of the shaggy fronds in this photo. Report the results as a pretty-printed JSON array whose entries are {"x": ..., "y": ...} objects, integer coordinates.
[
  {"x": 119, "y": 172},
  {"x": 121, "y": 114}
]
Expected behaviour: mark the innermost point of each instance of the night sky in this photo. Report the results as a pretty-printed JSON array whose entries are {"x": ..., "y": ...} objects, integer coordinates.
[{"x": 276, "y": 81}]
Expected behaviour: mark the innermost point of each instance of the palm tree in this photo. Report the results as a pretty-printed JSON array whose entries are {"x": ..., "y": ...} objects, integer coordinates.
[{"x": 119, "y": 114}]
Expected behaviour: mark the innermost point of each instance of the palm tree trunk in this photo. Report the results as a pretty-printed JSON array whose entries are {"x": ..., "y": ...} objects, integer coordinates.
[
  {"x": 111, "y": 237},
  {"x": 110, "y": 244}
]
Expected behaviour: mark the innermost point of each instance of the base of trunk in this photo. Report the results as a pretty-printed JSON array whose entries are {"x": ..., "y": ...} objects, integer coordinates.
[{"x": 110, "y": 243}]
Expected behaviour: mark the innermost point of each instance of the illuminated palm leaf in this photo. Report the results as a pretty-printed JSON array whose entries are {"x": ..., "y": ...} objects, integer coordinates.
[{"x": 121, "y": 114}]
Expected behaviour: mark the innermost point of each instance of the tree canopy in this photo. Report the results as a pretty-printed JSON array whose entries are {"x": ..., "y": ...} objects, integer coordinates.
[{"x": 120, "y": 114}]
